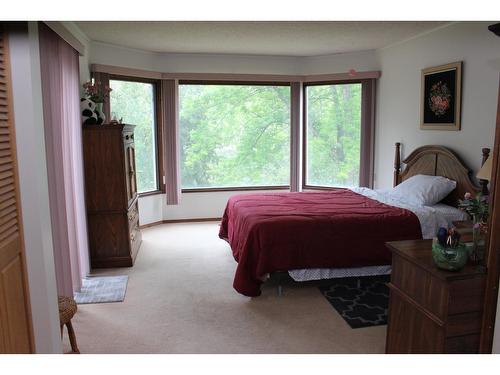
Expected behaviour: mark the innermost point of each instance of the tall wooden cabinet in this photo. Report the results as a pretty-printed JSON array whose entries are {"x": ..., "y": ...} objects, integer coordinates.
[{"x": 111, "y": 195}]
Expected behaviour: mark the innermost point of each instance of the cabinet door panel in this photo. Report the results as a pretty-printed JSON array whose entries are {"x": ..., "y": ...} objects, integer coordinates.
[{"x": 130, "y": 171}]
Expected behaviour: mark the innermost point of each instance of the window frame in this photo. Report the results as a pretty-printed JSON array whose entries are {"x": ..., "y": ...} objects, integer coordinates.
[
  {"x": 235, "y": 83},
  {"x": 158, "y": 131},
  {"x": 306, "y": 186}
]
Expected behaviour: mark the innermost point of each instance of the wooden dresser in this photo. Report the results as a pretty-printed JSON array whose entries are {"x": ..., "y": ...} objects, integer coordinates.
[
  {"x": 430, "y": 310},
  {"x": 111, "y": 195}
]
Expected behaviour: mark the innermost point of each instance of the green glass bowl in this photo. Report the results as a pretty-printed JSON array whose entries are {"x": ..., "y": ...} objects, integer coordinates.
[{"x": 450, "y": 259}]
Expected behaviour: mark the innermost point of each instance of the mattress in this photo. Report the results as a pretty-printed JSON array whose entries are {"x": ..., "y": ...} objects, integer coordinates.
[
  {"x": 271, "y": 232},
  {"x": 431, "y": 218}
]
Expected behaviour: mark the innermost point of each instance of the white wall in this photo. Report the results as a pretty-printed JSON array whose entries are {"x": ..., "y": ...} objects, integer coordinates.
[
  {"x": 28, "y": 115},
  {"x": 340, "y": 63},
  {"x": 203, "y": 205},
  {"x": 101, "y": 53},
  {"x": 398, "y": 97}
]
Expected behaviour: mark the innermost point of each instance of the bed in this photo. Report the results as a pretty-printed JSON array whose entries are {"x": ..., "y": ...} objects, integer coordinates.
[{"x": 341, "y": 232}]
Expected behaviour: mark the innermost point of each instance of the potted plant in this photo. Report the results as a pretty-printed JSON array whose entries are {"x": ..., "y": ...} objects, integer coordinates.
[
  {"x": 95, "y": 93},
  {"x": 478, "y": 208}
]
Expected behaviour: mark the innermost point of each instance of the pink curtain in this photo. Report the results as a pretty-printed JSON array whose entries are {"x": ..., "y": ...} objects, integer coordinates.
[
  {"x": 170, "y": 121},
  {"x": 63, "y": 144}
]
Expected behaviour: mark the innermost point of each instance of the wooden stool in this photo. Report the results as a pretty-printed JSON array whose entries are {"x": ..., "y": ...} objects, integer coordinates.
[{"x": 67, "y": 309}]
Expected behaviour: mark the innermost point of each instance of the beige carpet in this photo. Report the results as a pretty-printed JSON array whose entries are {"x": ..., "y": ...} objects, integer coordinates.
[{"x": 180, "y": 300}]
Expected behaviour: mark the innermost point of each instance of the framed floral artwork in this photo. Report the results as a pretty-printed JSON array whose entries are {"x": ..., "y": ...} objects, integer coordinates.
[{"x": 441, "y": 97}]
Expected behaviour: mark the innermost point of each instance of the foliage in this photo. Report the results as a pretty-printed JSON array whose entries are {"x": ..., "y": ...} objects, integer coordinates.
[
  {"x": 232, "y": 135},
  {"x": 333, "y": 134},
  {"x": 96, "y": 91},
  {"x": 477, "y": 206},
  {"x": 134, "y": 101},
  {"x": 239, "y": 135}
]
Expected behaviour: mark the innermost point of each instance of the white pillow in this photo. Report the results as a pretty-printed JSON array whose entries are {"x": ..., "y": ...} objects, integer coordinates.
[
  {"x": 450, "y": 213},
  {"x": 423, "y": 190}
]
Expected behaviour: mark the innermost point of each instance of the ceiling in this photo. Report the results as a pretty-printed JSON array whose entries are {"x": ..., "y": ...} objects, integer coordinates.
[{"x": 297, "y": 38}]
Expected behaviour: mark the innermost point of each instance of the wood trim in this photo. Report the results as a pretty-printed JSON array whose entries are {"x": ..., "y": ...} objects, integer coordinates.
[
  {"x": 493, "y": 253},
  {"x": 342, "y": 76},
  {"x": 149, "y": 193},
  {"x": 484, "y": 183},
  {"x": 397, "y": 163},
  {"x": 160, "y": 150},
  {"x": 304, "y": 137},
  {"x": 230, "y": 77},
  {"x": 5, "y": 55},
  {"x": 233, "y": 82},
  {"x": 149, "y": 225},
  {"x": 177, "y": 221},
  {"x": 243, "y": 188},
  {"x": 124, "y": 71},
  {"x": 367, "y": 147},
  {"x": 368, "y": 94},
  {"x": 316, "y": 187},
  {"x": 158, "y": 97}
]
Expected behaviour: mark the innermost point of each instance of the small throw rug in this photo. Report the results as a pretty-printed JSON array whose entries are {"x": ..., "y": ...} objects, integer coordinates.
[
  {"x": 362, "y": 302},
  {"x": 100, "y": 289}
]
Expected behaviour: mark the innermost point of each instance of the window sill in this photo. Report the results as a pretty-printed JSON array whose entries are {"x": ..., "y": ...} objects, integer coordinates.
[
  {"x": 248, "y": 188},
  {"x": 312, "y": 187},
  {"x": 148, "y": 193}
]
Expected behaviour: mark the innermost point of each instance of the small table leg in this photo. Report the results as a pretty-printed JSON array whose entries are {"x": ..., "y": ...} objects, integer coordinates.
[{"x": 72, "y": 338}]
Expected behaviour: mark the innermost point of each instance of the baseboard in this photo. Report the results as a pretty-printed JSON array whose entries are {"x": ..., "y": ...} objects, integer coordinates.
[
  {"x": 201, "y": 219},
  {"x": 154, "y": 223}
]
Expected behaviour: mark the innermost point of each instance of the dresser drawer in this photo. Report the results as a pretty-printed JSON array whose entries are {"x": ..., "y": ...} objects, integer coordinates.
[{"x": 420, "y": 286}]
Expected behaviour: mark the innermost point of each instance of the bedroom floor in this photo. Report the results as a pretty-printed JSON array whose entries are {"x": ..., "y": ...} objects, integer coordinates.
[{"x": 180, "y": 300}]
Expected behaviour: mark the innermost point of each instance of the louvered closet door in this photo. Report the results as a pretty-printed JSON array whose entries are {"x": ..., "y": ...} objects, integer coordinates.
[{"x": 15, "y": 318}]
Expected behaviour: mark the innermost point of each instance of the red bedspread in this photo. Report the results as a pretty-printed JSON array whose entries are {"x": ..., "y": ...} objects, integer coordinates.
[{"x": 284, "y": 231}]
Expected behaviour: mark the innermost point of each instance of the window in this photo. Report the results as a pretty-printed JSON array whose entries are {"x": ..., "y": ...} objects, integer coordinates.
[
  {"x": 333, "y": 135},
  {"x": 234, "y": 135},
  {"x": 135, "y": 103}
]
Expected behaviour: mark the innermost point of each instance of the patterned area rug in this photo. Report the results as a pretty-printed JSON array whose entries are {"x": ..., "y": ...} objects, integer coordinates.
[
  {"x": 102, "y": 289},
  {"x": 362, "y": 305}
]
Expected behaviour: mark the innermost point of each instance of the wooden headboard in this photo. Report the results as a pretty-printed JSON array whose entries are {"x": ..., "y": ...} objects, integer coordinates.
[{"x": 437, "y": 161}]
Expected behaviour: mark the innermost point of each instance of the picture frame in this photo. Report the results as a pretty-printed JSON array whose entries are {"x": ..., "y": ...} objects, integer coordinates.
[{"x": 441, "y": 97}]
